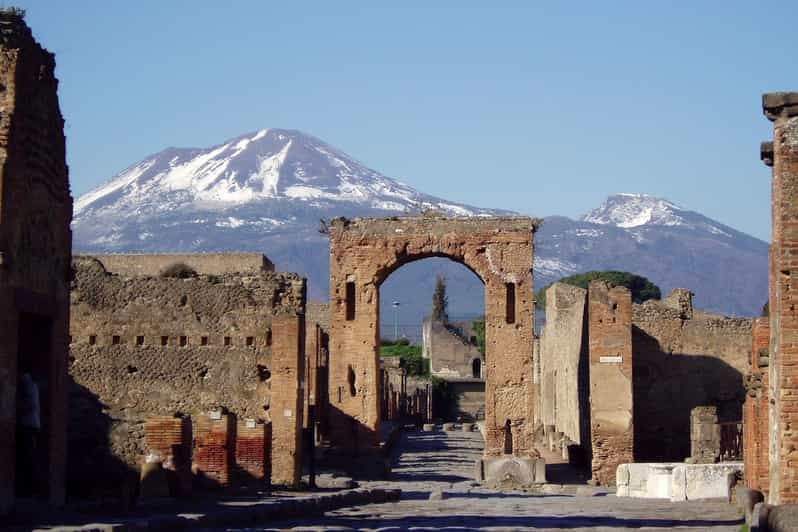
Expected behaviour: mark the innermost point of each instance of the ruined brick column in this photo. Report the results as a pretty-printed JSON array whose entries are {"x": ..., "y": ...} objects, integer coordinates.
[
  {"x": 704, "y": 435},
  {"x": 35, "y": 251},
  {"x": 610, "y": 366},
  {"x": 288, "y": 355},
  {"x": 755, "y": 410},
  {"x": 782, "y": 109}
]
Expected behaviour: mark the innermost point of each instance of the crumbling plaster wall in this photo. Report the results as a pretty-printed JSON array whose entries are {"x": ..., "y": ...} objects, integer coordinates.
[
  {"x": 563, "y": 356},
  {"x": 684, "y": 359},
  {"x": 218, "y": 332}
]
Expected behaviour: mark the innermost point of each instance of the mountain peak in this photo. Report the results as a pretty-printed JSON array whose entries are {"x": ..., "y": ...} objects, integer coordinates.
[{"x": 628, "y": 210}]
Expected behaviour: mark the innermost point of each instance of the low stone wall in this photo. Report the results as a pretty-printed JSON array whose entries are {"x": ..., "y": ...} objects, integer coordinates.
[{"x": 676, "y": 481}]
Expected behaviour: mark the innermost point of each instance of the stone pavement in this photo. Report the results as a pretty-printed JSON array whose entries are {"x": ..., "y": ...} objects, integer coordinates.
[{"x": 434, "y": 472}]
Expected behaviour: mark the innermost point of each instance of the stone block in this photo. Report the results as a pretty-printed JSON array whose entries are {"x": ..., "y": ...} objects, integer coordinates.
[
  {"x": 692, "y": 482},
  {"x": 428, "y": 427},
  {"x": 468, "y": 427},
  {"x": 511, "y": 471},
  {"x": 448, "y": 427},
  {"x": 783, "y": 518}
]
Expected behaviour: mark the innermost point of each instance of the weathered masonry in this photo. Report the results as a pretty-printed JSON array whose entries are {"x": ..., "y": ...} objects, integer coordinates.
[
  {"x": 364, "y": 252},
  {"x": 619, "y": 381},
  {"x": 220, "y": 355},
  {"x": 782, "y": 110},
  {"x": 35, "y": 248}
]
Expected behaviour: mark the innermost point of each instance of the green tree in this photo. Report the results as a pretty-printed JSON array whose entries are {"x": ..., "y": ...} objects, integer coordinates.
[
  {"x": 642, "y": 289},
  {"x": 440, "y": 302},
  {"x": 479, "y": 332}
]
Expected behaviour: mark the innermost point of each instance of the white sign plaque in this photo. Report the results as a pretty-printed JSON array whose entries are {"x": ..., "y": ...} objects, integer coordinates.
[
  {"x": 611, "y": 359},
  {"x": 287, "y": 412}
]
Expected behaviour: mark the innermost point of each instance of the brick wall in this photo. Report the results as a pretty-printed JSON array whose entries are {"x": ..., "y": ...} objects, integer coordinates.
[
  {"x": 35, "y": 248},
  {"x": 169, "y": 438},
  {"x": 755, "y": 412},
  {"x": 252, "y": 451},
  {"x": 213, "y": 449},
  {"x": 288, "y": 354},
  {"x": 145, "y": 346},
  {"x": 611, "y": 405},
  {"x": 782, "y": 109}
]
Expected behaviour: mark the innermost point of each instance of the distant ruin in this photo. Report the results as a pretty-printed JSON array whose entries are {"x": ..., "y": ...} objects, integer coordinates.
[{"x": 671, "y": 359}]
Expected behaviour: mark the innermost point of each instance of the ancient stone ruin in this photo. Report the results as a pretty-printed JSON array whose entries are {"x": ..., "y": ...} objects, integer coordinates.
[
  {"x": 363, "y": 253},
  {"x": 35, "y": 249},
  {"x": 618, "y": 382},
  {"x": 175, "y": 344}
]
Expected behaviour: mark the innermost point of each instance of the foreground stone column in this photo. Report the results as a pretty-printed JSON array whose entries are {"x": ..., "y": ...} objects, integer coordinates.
[
  {"x": 782, "y": 109},
  {"x": 610, "y": 366},
  {"x": 288, "y": 355}
]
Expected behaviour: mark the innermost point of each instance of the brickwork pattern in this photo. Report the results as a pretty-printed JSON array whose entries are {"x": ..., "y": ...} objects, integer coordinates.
[
  {"x": 782, "y": 109},
  {"x": 364, "y": 252},
  {"x": 288, "y": 355},
  {"x": 35, "y": 245},
  {"x": 169, "y": 438},
  {"x": 611, "y": 404},
  {"x": 212, "y": 459},
  {"x": 755, "y": 412},
  {"x": 252, "y": 456}
]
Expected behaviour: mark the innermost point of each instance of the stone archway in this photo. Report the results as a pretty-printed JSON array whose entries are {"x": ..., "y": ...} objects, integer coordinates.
[{"x": 364, "y": 252}]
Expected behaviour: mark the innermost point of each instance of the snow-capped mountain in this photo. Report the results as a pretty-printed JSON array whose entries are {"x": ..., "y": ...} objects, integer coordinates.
[
  {"x": 260, "y": 167},
  {"x": 266, "y": 191}
]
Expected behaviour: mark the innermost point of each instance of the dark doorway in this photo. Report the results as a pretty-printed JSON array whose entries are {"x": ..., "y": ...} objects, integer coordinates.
[
  {"x": 34, "y": 361},
  {"x": 476, "y": 368}
]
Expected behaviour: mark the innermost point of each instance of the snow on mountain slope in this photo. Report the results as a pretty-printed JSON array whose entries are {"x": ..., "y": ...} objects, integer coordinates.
[
  {"x": 266, "y": 191},
  {"x": 271, "y": 164}
]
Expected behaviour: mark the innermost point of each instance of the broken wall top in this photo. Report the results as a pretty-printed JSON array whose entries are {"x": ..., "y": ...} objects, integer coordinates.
[
  {"x": 434, "y": 225},
  {"x": 206, "y": 295},
  {"x": 202, "y": 263}
]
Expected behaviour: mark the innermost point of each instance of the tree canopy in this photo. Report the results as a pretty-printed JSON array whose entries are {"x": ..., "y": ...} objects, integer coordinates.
[{"x": 642, "y": 289}]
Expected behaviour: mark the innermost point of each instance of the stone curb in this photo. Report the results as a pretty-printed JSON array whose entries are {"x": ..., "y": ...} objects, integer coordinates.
[{"x": 257, "y": 513}]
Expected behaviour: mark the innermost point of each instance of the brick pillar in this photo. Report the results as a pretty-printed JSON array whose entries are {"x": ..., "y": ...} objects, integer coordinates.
[
  {"x": 782, "y": 109},
  {"x": 509, "y": 332},
  {"x": 212, "y": 448},
  {"x": 251, "y": 451},
  {"x": 288, "y": 345},
  {"x": 169, "y": 438},
  {"x": 704, "y": 435},
  {"x": 610, "y": 367},
  {"x": 755, "y": 410}
]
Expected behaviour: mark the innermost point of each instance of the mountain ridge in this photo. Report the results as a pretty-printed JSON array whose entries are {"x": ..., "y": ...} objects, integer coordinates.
[{"x": 267, "y": 190}]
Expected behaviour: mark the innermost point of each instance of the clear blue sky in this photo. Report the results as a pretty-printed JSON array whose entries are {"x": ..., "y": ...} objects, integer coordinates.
[{"x": 539, "y": 107}]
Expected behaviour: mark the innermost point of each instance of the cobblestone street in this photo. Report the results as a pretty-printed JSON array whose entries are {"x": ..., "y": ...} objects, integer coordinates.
[{"x": 435, "y": 470}]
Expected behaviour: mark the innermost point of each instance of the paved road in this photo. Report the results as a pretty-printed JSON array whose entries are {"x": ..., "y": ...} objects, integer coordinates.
[{"x": 443, "y": 462}]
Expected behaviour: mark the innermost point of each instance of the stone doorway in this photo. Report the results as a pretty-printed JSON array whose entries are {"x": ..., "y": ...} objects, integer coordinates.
[
  {"x": 363, "y": 253},
  {"x": 34, "y": 416}
]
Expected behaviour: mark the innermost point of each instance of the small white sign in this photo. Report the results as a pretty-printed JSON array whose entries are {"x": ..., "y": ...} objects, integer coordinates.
[
  {"x": 611, "y": 359},
  {"x": 251, "y": 424},
  {"x": 287, "y": 412},
  {"x": 215, "y": 414}
]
